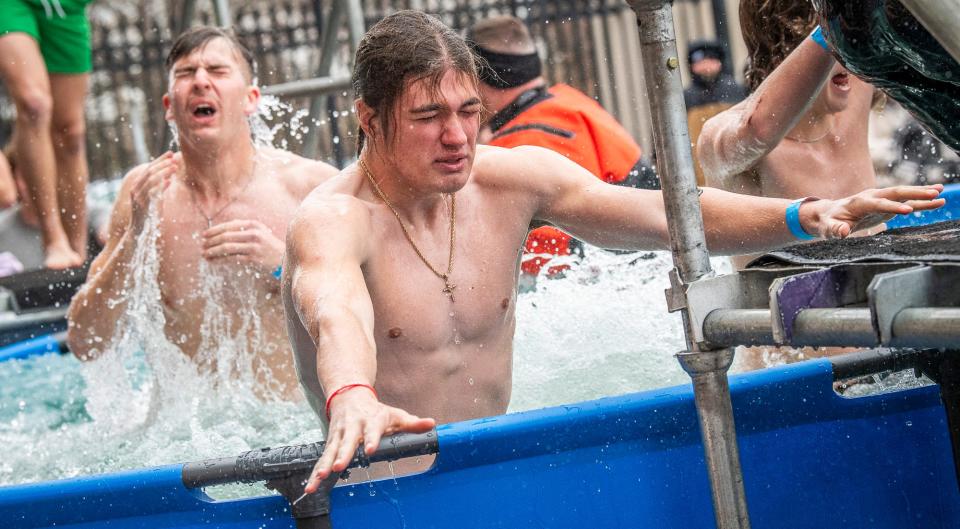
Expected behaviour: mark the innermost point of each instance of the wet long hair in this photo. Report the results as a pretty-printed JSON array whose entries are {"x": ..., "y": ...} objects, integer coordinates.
[
  {"x": 406, "y": 47},
  {"x": 771, "y": 30}
]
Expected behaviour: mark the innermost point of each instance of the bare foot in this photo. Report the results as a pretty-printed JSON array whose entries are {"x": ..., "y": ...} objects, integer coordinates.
[{"x": 61, "y": 257}]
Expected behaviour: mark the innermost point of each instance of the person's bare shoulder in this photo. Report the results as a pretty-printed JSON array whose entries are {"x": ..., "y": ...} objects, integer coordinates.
[
  {"x": 328, "y": 217},
  {"x": 525, "y": 170},
  {"x": 298, "y": 174},
  {"x": 122, "y": 202},
  {"x": 511, "y": 168}
]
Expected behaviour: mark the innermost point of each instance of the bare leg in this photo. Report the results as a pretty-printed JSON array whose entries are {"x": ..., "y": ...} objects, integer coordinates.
[
  {"x": 8, "y": 190},
  {"x": 23, "y": 72},
  {"x": 68, "y": 131}
]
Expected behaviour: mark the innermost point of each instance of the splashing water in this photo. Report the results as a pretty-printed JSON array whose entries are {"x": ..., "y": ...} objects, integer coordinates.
[
  {"x": 273, "y": 119},
  {"x": 284, "y": 117},
  {"x": 601, "y": 330},
  {"x": 143, "y": 402}
]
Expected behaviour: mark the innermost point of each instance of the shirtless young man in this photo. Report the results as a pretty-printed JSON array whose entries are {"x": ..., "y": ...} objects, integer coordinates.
[
  {"x": 401, "y": 272},
  {"x": 803, "y": 131},
  {"x": 220, "y": 199}
]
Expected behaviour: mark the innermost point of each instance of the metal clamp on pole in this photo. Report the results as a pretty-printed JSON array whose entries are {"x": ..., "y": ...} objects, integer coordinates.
[
  {"x": 708, "y": 369},
  {"x": 310, "y": 511},
  {"x": 287, "y": 468}
]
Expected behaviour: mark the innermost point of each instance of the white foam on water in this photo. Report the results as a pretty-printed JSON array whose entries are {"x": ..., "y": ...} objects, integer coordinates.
[
  {"x": 601, "y": 330},
  {"x": 284, "y": 118},
  {"x": 143, "y": 402}
]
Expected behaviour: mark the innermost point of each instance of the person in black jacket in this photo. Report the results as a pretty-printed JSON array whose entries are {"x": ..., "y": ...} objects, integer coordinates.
[{"x": 709, "y": 83}]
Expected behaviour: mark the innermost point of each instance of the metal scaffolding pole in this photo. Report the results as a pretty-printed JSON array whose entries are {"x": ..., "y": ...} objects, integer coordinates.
[
  {"x": 927, "y": 327},
  {"x": 941, "y": 18},
  {"x": 353, "y": 11},
  {"x": 707, "y": 368},
  {"x": 221, "y": 10}
]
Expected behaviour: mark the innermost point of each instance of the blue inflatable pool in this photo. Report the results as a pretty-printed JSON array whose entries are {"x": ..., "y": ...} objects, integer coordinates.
[
  {"x": 810, "y": 459},
  {"x": 950, "y": 211}
]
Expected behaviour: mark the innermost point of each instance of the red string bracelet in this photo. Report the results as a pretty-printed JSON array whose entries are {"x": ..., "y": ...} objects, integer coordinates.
[{"x": 345, "y": 388}]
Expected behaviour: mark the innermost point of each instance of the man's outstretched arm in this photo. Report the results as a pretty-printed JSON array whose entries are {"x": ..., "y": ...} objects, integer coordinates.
[
  {"x": 737, "y": 224},
  {"x": 326, "y": 247},
  {"x": 608, "y": 216}
]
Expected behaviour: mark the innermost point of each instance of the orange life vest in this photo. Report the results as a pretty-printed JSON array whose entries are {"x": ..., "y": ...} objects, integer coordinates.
[{"x": 567, "y": 121}]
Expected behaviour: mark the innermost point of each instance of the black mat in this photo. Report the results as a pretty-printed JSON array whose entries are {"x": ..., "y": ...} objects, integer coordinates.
[
  {"x": 938, "y": 242},
  {"x": 38, "y": 289}
]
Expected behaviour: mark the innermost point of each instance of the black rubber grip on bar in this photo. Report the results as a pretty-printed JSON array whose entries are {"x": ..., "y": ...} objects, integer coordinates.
[
  {"x": 872, "y": 361},
  {"x": 275, "y": 463}
]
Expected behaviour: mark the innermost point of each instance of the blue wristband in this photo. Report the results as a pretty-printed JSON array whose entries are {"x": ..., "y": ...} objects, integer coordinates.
[
  {"x": 278, "y": 272},
  {"x": 793, "y": 221},
  {"x": 817, "y": 37}
]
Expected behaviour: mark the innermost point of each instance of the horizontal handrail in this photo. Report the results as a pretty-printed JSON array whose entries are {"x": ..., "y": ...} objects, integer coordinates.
[{"x": 268, "y": 464}]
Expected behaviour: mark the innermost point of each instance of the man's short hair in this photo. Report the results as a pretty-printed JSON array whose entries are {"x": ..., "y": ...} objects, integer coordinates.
[
  {"x": 771, "y": 30},
  {"x": 502, "y": 34},
  {"x": 404, "y": 47},
  {"x": 198, "y": 37}
]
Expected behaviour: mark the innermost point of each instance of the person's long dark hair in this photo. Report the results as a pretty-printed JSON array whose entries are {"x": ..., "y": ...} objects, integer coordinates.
[
  {"x": 771, "y": 30},
  {"x": 404, "y": 47}
]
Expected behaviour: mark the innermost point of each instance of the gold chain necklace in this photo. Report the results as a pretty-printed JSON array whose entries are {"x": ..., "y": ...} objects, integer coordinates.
[
  {"x": 815, "y": 140},
  {"x": 209, "y": 218},
  {"x": 447, "y": 286}
]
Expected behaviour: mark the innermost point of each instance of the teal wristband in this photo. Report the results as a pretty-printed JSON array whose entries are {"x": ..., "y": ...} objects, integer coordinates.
[
  {"x": 817, "y": 37},
  {"x": 278, "y": 272},
  {"x": 793, "y": 221}
]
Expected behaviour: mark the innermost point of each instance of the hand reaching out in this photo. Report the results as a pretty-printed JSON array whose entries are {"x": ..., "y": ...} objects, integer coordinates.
[
  {"x": 356, "y": 416},
  {"x": 836, "y": 219}
]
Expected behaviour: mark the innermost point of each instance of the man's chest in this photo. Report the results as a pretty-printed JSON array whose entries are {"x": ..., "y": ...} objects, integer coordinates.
[
  {"x": 798, "y": 170},
  {"x": 413, "y": 302},
  {"x": 185, "y": 273}
]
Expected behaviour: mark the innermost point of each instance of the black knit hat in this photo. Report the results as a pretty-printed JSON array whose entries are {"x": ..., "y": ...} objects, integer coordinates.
[{"x": 703, "y": 49}]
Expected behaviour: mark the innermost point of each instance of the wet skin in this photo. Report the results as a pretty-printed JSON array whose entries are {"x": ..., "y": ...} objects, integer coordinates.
[
  {"x": 362, "y": 308},
  {"x": 840, "y": 163},
  {"x": 803, "y": 132},
  {"x": 220, "y": 179}
]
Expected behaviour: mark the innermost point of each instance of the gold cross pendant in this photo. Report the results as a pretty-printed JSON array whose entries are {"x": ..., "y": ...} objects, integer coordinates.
[{"x": 448, "y": 288}]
